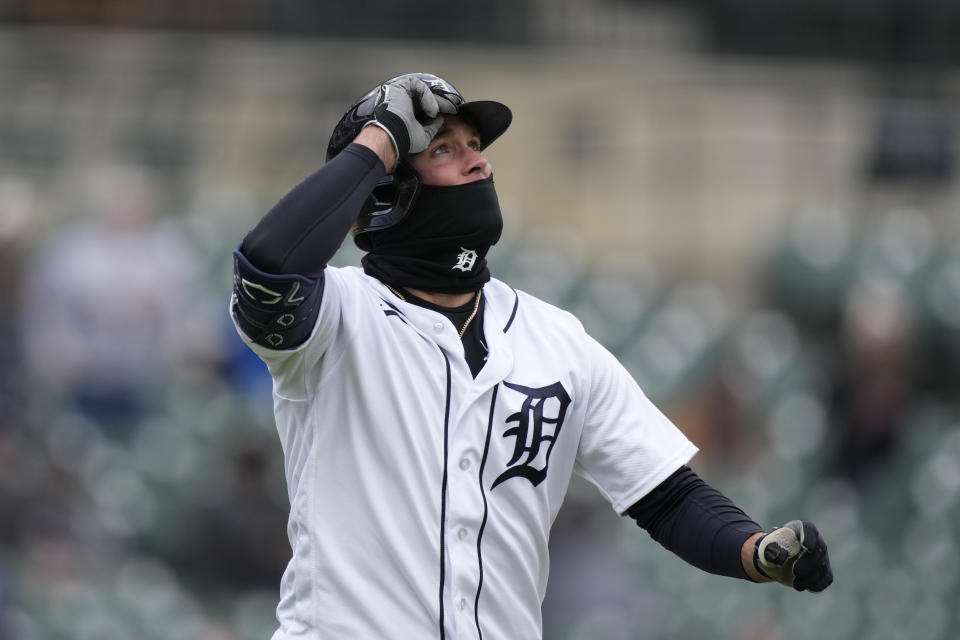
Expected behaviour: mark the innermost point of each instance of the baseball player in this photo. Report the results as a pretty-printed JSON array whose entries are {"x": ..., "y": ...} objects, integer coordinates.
[{"x": 431, "y": 416}]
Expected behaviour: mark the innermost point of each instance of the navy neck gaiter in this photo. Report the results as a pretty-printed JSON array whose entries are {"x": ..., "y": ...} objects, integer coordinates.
[{"x": 442, "y": 244}]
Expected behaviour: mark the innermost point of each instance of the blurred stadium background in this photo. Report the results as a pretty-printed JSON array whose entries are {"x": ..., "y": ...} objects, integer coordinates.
[{"x": 753, "y": 204}]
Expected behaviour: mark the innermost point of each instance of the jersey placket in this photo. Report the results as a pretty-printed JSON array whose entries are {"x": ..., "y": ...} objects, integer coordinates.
[
  {"x": 466, "y": 509},
  {"x": 467, "y": 495},
  {"x": 472, "y": 401},
  {"x": 465, "y": 513},
  {"x": 464, "y": 499}
]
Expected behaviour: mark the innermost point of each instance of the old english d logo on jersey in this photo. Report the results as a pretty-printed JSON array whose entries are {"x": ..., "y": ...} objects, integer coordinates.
[
  {"x": 465, "y": 259},
  {"x": 537, "y": 428}
]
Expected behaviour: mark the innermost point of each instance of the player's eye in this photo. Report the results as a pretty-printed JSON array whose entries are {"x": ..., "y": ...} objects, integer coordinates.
[
  {"x": 440, "y": 148},
  {"x": 475, "y": 145}
]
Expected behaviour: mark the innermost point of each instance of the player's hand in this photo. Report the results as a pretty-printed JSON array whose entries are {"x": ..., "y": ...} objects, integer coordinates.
[
  {"x": 399, "y": 103},
  {"x": 795, "y": 555}
]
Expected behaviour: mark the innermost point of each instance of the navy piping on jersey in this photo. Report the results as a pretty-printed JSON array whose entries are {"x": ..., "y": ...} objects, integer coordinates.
[
  {"x": 393, "y": 311},
  {"x": 483, "y": 494},
  {"x": 443, "y": 494},
  {"x": 387, "y": 302},
  {"x": 516, "y": 303}
]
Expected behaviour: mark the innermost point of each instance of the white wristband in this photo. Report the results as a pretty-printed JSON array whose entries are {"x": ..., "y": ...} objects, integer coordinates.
[{"x": 380, "y": 125}]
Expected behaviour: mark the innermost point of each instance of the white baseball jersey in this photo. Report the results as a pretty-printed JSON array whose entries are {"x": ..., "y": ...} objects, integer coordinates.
[{"x": 422, "y": 498}]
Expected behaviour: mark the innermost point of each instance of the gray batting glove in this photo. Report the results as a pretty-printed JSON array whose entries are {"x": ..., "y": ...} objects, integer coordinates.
[
  {"x": 795, "y": 555},
  {"x": 399, "y": 103}
]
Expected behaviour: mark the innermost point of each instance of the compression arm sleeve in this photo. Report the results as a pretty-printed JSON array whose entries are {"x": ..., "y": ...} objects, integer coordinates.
[
  {"x": 278, "y": 269},
  {"x": 301, "y": 233},
  {"x": 696, "y": 522}
]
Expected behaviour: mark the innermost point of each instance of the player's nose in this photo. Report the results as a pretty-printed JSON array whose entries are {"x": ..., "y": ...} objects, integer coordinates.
[{"x": 476, "y": 165}]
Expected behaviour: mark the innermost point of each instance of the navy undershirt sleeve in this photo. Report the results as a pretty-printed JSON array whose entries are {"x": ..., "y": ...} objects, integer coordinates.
[
  {"x": 303, "y": 231},
  {"x": 696, "y": 522},
  {"x": 278, "y": 268}
]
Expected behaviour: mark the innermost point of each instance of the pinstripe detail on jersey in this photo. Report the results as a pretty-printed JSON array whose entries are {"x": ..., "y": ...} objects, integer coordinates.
[
  {"x": 443, "y": 493},
  {"x": 516, "y": 304},
  {"x": 483, "y": 523}
]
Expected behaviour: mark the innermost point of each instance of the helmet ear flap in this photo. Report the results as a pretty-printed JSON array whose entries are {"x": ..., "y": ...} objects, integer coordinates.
[{"x": 390, "y": 201}]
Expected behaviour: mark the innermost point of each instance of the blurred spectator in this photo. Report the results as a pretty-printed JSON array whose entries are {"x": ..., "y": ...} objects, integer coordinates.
[
  {"x": 16, "y": 200},
  {"x": 872, "y": 384},
  {"x": 593, "y": 593},
  {"x": 16, "y": 207},
  {"x": 914, "y": 141},
  {"x": 110, "y": 301},
  {"x": 239, "y": 534},
  {"x": 7, "y": 610}
]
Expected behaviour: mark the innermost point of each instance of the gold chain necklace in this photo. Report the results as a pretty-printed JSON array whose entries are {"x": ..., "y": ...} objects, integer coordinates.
[
  {"x": 473, "y": 314},
  {"x": 397, "y": 293},
  {"x": 476, "y": 307}
]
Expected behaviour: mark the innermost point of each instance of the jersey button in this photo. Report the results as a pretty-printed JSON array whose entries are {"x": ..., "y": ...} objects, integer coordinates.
[
  {"x": 462, "y": 534},
  {"x": 438, "y": 326},
  {"x": 464, "y": 464},
  {"x": 462, "y": 605}
]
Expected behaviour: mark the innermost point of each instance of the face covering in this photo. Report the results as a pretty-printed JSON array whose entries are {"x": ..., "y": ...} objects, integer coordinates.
[{"x": 442, "y": 244}]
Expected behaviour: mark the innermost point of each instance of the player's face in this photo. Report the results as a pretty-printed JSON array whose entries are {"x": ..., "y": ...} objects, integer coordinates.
[{"x": 453, "y": 156}]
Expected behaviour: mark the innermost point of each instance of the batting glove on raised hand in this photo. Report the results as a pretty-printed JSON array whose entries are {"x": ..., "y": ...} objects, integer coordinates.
[
  {"x": 795, "y": 555},
  {"x": 399, "y": 103}
]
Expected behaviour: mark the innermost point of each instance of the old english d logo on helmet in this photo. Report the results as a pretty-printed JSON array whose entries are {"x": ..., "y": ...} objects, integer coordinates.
[{"x": 394, "y": 196}]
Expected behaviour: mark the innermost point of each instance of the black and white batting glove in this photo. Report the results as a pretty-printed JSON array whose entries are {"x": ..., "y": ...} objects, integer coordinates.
[
  {"x": 396, "y": 111},
  {"x": 795, "y": 555}
]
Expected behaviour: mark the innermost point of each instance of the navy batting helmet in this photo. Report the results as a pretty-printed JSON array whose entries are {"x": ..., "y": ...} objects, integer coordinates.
[{"x": 394, "y": 196}]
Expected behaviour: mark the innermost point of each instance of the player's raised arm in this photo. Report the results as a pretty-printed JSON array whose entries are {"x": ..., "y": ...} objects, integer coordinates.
[
  {"x": 279, "y": 265},
  {"x": 303, "y": 231},
  {"x": 278, "y": 268}
]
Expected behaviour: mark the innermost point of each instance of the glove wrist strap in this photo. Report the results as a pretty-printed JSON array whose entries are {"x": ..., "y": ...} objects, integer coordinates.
[
  {"x": 756, "y": 559},
  {"x": 395, "y": 127}
]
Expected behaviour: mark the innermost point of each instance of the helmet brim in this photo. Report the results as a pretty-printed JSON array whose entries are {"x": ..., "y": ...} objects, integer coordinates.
[{"x": 490, "y": 118}]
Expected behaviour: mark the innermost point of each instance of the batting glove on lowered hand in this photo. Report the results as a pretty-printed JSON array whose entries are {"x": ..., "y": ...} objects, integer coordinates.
[
  {"x": 795, "y": 555},
  {"x": 399, "y": 103}
]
